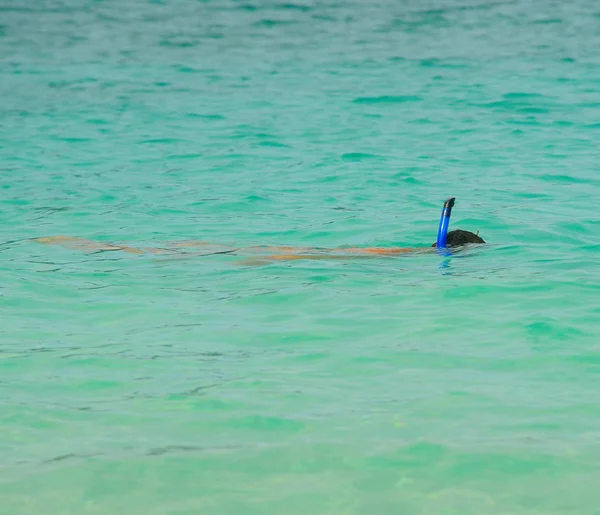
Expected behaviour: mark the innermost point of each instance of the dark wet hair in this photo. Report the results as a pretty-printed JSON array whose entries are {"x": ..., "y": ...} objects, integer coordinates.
[{"x": 458, "y": 238}]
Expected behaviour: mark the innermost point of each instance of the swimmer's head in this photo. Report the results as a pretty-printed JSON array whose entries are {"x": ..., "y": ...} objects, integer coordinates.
[{"x": 458, "y": 238}]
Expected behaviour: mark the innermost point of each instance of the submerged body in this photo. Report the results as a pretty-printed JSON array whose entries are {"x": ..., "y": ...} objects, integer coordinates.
[{"x": 455, "y": 238}]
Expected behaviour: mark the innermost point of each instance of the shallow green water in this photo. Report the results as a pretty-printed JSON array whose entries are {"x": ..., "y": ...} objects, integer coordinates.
[{"x": 410, "y": 385}]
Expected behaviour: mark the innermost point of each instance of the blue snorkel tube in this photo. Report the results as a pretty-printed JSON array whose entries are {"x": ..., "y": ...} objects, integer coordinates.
[{"x": 444, "y": 223}]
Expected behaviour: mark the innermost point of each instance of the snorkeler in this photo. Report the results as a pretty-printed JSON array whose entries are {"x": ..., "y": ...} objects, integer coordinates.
[{"x": 453, "y": 239}]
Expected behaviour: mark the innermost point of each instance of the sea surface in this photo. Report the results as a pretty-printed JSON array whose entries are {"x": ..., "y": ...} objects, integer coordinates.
[{"x": 197, "y": 384}]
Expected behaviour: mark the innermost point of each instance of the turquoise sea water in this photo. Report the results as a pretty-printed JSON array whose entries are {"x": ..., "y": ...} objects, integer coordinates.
[{"x": 198, "y": 385}]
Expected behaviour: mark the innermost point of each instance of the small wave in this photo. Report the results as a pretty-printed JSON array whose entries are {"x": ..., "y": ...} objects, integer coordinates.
[
  {"x": 294, "y": 7},
  {"x": 519, "y": 95},
  {"x": 358, "y": 156},
  {"x": 387, "y": 99},
  {"x": 179, "y": 44},
  {"x": 214, "y": 117},
  {"x": 269, "y": 23},
  {"x": 564, "y": 179}
]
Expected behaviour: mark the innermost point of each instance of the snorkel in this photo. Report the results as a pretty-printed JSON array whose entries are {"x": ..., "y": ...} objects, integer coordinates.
[{"x": 444, "y": 223}]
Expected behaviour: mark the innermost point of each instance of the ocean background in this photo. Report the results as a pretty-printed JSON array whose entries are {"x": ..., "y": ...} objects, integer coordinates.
[{"x": 425, "y": 385}]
